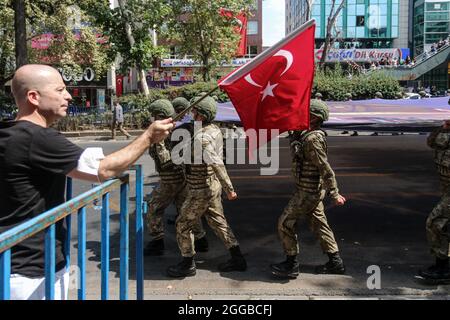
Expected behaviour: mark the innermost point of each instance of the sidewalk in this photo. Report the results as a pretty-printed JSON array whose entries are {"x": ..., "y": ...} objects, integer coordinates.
[{"x": 99, "y": 133}]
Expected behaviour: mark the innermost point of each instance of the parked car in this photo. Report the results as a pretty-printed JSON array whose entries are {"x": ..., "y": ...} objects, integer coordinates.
[{"x": 412, "y": 96}]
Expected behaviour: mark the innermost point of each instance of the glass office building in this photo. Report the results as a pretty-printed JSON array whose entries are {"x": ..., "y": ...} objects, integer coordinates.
[
  {"x": 431, "y": 23},
  {"x": 361, "y": 23}
]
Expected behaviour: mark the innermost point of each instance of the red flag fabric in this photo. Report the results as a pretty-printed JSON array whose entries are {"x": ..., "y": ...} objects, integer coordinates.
[
  {"x": 273, "y": 91},
  {"x": 241, "y": 20}
]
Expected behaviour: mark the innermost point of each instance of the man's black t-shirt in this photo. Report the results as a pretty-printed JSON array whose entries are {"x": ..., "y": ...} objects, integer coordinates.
[{"x": 34, "y": 162}]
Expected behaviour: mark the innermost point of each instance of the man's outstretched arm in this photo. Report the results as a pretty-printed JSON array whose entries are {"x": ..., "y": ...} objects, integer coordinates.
[{"x": 119, "y": 161}]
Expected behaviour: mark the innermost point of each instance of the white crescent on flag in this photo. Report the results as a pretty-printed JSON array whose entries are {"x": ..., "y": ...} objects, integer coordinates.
[{"x": 289, "y": 59}]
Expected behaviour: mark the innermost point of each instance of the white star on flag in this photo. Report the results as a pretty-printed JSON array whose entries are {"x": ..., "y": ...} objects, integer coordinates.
[{"x": 268, "y": 90}]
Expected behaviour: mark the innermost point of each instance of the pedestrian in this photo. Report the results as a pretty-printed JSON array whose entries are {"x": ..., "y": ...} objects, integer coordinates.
[
  {"x": 35, "y": 160},
  {"x": 118, "y": 120},
  {"x": 206, "y": 176},
  {"x": 314, "y": 179},
  {"x": 437, "y": 225},
  {"x": 171, "y": 189}
]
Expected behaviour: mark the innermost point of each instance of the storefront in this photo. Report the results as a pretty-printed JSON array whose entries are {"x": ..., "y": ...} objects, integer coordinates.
[
  {"x": 178, "y": 72},
  {"x": 86, "y": 91}
]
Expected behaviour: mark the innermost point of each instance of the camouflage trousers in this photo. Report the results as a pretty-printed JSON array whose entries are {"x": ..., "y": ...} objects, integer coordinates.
[
  {"x": 162, "y": 197},
  {"x": 438, "y": 232},
  {"x": 207, "y": 203},
  {"x": 307, "y": 205}
]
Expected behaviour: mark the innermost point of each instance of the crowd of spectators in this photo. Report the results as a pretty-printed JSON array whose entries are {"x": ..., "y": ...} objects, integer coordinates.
[{"x": 409, "y": 62}]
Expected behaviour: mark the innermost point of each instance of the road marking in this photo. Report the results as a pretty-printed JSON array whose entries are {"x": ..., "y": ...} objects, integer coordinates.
[{"x": 280, "y": 177}]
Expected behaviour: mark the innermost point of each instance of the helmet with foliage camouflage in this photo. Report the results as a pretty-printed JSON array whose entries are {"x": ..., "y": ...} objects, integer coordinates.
[
  {"x": 180, "y": 103},
  {"x": 162, "y": 108},
  {"x": 319, "y": 109},
  {"x": 206, "y": 108}
]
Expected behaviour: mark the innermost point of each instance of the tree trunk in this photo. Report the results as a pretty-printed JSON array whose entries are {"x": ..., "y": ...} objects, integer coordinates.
[
  {"x": 205, "y": 69},
  {"x": 330, "y": 24},
  {"x": 142, "y": 81},
  {"x": 20, "y": 33},
  {"x": 143, "y": 86}
]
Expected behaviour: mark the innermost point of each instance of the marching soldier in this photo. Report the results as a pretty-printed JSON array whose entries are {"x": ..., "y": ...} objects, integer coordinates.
[
  {"x": 437, "y": 224},
  {"x": 314, "y": 179},
  {"x": 172, "y": 188},
  {"x": 205, "y": 179}
]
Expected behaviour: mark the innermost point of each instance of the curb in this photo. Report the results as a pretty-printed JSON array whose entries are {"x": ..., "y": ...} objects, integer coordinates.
[{"x": 99, "y": 133}]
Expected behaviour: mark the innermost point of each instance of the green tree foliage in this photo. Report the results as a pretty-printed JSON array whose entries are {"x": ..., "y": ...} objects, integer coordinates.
[
  {"x": 334, "y": 84},
  {"x": 202, "y": 32},
  {"x": 70, "y": 49},
  {"x": 129, "y": 30}
]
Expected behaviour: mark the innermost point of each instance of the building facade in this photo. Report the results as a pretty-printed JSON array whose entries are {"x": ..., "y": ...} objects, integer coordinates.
[
  {"x": 254, "y": 30},
  {"x": 431, "y": 23},
  {"x": 360, "y": 24}
]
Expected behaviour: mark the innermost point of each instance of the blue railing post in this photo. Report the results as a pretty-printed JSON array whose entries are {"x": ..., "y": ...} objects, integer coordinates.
[
  {"x": 124, "y": 241},
  {"x": 105, "y": 246},
  {"x": 82, "y": 253},
  {"x": 50, "y": 263},
  {"x": 68, "y": 223},
  {"x": 139, "y": 233},
  {"x": 46, "y": 222},
  {"x": 5, "y": 273}
]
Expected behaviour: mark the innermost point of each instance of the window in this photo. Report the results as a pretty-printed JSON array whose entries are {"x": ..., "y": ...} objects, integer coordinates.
[
  {"x": 351, "y": 21},
  {"x": 360, "y": 9},
  {"x": 360, "y": 21},
  {"x": 252, "y": 50},
  {"x": 360, "y": 32},
  {"x": 252, "y": 27},
  {"x": 395, "y": 20}
]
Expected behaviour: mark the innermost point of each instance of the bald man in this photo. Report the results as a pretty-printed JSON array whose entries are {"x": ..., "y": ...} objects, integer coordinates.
[{"x": 35, "y": 160}]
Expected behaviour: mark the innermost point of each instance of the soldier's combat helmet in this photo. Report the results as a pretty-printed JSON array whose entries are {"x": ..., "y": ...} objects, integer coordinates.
[
  {"x": 162, "y": 108},
  {"x": 180, "y": 103},
  {"x": 319, "y": 109},
  {"x": 206, "y": 108}
]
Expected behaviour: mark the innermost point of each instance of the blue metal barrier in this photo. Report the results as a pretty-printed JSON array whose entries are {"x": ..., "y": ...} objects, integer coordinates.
[{"x": 47, "y": 220}]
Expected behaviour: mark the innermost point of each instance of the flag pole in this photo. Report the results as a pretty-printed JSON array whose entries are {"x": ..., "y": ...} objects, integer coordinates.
[{"x": 185, "y": 111}]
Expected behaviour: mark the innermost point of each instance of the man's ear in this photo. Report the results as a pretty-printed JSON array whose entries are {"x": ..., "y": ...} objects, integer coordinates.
[{"x": 33, "y": 97}]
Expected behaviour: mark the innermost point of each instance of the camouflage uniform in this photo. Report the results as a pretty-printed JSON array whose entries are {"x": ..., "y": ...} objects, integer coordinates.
[
  {"x": 438, "y": 220},
  {"x": 172, "y": 188},
  {"x": 314, "y": 177},
  {"x": 205, "y": 181}
]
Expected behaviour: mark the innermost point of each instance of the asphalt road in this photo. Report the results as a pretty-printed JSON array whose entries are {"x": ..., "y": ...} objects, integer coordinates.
[{"x": 390, "y": 184}]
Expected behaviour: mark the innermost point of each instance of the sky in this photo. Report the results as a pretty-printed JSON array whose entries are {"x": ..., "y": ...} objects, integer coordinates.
[{"x": 273, "y": 21}]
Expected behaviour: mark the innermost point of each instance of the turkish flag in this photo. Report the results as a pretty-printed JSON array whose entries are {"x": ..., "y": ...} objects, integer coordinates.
[
  {"x": 273, "y": 91},
  {"x": 119, "y": 85},
  {"x": 241, "y": 29}
]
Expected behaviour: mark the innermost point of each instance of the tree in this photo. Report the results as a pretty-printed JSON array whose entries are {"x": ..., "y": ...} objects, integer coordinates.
[
  {"x": 74, "y": 45},
  {"x": 129, "y": 29},
  {"x": 309, "y": 4},
  {"x": 331, "y": 21},
  {"x": 7, "y": 55},
  {"x": 70, "y": 49},
  {"x": 201, "y": 31}
]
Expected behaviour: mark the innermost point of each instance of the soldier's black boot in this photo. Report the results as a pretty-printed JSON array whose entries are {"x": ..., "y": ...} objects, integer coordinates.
[
  {"x": 236, "y": 263},
  {"x": 438, "y": 273},
  {"x": 334, "y": 266},
  {"x": 186, "y": 268},
  {"x": 201, "y": 245},
  {"x": 290, "y": 268},
  {"x": 154, "y": 248}
]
